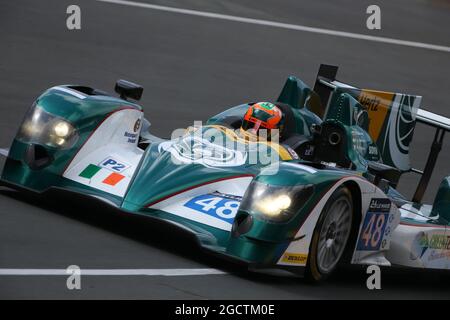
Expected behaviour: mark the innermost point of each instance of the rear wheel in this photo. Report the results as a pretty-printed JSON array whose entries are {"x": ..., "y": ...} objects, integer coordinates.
[{"x": 331, "y": 235}]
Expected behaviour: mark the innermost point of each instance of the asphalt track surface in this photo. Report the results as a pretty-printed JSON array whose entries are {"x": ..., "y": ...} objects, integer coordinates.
[{"x": 193, "y": 67}]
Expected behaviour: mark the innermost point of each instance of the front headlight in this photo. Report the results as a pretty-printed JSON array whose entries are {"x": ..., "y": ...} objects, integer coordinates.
[
  {"x": 44, "y": 128},
  {"x": 275, "y": 203}
]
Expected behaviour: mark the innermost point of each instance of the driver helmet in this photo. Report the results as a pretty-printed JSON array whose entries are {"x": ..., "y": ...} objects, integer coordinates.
[{"x": 262, "y": 115}]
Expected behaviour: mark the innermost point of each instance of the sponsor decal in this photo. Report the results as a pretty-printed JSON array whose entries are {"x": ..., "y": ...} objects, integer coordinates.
[
  {"x": 380, "y": 205},
  {"x": 359, "y": 142},
  {"x": 296, "y": 258},
  {"x": 373, "y": 150},
  {"x": 436, "y": 241},
  {"x": 391, "y": 118},
  {"x": 430, "y": 242},
  {"x": 267, "y": 105},
  {"x": 374, "y": 226},
  {"x": 114, "y": 165},
  {"x": 439, "y": 255},
  {"x": 227, "y": 196},
  {"x": 215, "y": 205},
  {"x": 371, "y": 103},
  {"x": 131, "y": 136},
  {"x": 91, "y": 170},
  {"x": 377, "y": 105}
]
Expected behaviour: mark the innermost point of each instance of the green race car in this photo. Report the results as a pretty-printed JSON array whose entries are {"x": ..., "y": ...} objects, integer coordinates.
[{"x": 325, "y": 193}]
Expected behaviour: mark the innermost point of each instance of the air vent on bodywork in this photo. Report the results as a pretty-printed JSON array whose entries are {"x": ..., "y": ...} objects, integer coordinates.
[
  {"x": 242, "y": 224},
  {"x": 89, "y": 91}
]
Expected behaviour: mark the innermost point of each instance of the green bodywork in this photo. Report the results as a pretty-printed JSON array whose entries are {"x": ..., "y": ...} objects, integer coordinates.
[
  {"x": 85, "y": 115},
  {"x": 441, "y": 203}
]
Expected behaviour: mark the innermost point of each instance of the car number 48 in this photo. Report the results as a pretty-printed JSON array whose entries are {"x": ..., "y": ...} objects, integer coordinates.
[
  {"x": 372, "y": 231},
  {"x": 217, "y": 206}
]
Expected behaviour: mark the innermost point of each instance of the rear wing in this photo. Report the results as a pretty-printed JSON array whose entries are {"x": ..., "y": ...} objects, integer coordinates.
[
  {"x": 442, "y": 125},
  {"x": 326, "y": 85},
  {"x": 433, "y": 119}
]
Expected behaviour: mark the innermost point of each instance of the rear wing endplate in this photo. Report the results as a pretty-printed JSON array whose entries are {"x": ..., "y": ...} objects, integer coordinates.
[{"x": 442, "y": 125}]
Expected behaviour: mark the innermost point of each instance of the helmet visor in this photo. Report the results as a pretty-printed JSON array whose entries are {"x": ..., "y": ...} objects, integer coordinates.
[{"x": 250, "y": 126}]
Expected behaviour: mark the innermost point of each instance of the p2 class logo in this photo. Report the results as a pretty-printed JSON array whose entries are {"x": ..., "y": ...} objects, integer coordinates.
[
  {"x": 114, "y": 165},
  {"x": 374, "y": 225},
  {"x": 215, "y": 205}
]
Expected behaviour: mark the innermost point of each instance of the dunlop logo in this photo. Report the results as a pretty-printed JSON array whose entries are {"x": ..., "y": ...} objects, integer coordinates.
[{"x": 297, "y": 258}]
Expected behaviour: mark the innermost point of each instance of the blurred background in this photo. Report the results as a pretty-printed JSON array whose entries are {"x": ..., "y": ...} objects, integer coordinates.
[{"x": 193, "y": 67}]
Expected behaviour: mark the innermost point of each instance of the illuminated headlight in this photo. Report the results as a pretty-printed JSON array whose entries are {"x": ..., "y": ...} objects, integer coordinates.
[
  {"x": 275, "y": 203},
  {"x": 46, "y": 129},
  {"x": 62, "y": 129}
]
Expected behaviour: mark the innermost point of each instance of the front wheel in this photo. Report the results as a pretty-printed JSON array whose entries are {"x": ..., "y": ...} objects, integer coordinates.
[{"x": 330, "y": 235}]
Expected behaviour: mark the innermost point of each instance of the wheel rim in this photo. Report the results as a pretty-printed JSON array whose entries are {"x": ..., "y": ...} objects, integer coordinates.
[{"x": 334, "y": 234}]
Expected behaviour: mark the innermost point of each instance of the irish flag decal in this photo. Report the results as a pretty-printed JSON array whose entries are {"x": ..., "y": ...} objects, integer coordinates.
[{"x": 91, "y": 170}]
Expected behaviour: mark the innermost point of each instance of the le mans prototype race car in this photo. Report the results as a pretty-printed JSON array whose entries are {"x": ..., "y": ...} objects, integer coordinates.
[{"x": 329, "y": 197}]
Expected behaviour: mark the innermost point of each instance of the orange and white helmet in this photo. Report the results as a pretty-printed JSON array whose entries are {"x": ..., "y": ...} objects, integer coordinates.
[{"x": 262, "y": 115}]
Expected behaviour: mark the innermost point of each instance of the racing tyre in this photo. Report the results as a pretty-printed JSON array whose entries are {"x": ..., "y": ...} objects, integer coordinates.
[{"x": 331, "y": 236}]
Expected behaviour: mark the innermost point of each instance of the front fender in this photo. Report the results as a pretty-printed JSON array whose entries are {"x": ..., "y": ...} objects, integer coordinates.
[
  {"x": 85, "y": 112},
  {"x": 265, "y": 241}
]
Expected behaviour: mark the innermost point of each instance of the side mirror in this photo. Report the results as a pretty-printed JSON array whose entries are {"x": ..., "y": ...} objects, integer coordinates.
[{"x": 127, "y": 89}]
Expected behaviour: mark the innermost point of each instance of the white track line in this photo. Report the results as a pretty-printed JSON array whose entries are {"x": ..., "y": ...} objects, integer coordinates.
[
  {"x": 112, "y": 272},
  {"x": 4, "y": 152},
  {"x": 283, "y": 25}
]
